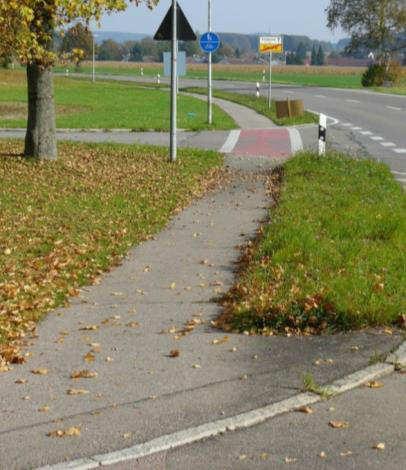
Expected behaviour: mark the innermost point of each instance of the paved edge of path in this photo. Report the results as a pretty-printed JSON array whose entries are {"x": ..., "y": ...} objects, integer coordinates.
[{"x": 241, "y": 421}]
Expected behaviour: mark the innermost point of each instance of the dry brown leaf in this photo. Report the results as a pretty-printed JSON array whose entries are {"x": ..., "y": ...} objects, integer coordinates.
[
  {"x": 322, "y": 455},
  {"x": 133, "y": 324},
  {"x": 83, "y": 374},
  {"x": 72, "y": 431},
  {"x": 305, "y": 409},
  {"x": 196, "y": 366},
  {"x": 379, "y": 446},
  {"x": 44, "y": 409},
  {"x": 346, "y": 453},
  {"x": 89, "y": 328},
  {"x": 220, "y": 340},
  {"x": 40, "y": 371},
  {"x": 173, "y": 285},
  {"x": 374, "y": 384},
  {"x": 174, "y": 353},
  {"x": 21, "y": 381},
  {"x": 89, "y": 357},
  {"x": 109, "y": 359},
  {"x": 77, "y": 391},
  {"x": 338, "y": 424}
]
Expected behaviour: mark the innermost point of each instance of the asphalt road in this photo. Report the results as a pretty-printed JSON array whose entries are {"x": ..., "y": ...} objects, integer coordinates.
[{"x": 365, "y": 122}]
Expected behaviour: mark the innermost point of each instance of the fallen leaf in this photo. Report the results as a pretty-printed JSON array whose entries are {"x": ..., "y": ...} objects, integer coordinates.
[
  {"x": 305, "y": 409},
  {"x": 7, "y": 251},
  {"x": 40, "y": 371},
  {"x": 89, "y": 328},
  {"x": 196, "y": 366},
  {"x": 173, "y": 285},
  {"x": 72, "y": 431},
  {"x": 44, "y": 409},
  {"x": 96, "y": 348},
  {"x": 133, "y": 324},
  {"x": 174, "y": 353},
  {"x": 338, "y": 424},
  {"x": 242, "y": 457},
  {"x": 264, "y": 456},
  {"x": 290, "y": 460},
  {"x": 127, "y": 435},
  {"x": 220, "y": 340},
  {"x": 83, "y": 374},
  {"x": 77, "y": 391},
  {"x": 374, "y": 384},
  {"x": 346, "y": 453},
  {"x": 109, "y": 359},
  {"x": 322, "y": 455},
  {"x": 379, "y": 446},
  {"x": 89, "y": 357},
  {"x": 21, "y": 381}
]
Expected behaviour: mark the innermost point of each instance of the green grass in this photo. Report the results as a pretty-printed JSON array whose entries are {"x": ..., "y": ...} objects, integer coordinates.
[
  {"x": 332, "y": 258},
  {"x": 311, "y": 386},
  {"x": 328, "y": 76},
  {"x": 260, "y": 105},
  {"x": 63, "y": 223},
  {"x": 106, "y": 105}
]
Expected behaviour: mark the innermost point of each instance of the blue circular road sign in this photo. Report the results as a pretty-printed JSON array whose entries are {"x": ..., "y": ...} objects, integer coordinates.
[{"x": 209, "y": 42}]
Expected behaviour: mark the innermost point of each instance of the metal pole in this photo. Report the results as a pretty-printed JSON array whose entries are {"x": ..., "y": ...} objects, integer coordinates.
[
  {"x": 270, "y": 81},
  {"x": 209, "y": 84},
  {"x": 173, "y": 143},
  {"x": 93, "y": 61}
]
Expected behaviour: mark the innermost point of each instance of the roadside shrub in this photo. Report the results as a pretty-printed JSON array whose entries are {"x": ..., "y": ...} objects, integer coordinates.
[
  {"x": 374, "y": 76},
  {"x": 394, "y": 73}
]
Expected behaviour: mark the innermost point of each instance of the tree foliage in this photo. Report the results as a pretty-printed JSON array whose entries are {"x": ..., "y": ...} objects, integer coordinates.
[
  {"x": 27, "y": 26},
  {"x": 78, "y": 37},
  {"x": 373, "y": 24}
]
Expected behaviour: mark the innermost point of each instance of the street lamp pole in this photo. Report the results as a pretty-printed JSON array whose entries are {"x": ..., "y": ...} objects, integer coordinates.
[{"x": 209, "y": 80}]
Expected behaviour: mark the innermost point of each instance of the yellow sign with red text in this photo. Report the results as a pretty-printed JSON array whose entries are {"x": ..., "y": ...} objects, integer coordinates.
[{"x": 270, "y": 44}]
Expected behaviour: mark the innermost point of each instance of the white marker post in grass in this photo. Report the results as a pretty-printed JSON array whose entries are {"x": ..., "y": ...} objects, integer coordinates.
[
  {"x": 258, "y": 94},
  {"x": 322, "y": 134}
]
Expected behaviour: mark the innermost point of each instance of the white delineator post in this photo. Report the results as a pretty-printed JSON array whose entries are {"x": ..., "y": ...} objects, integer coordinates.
[
  {"x": 209, "y": 76},
  {"x": 174, "y": 73},
  {"x": 322, "y": 134},
  {"x": 158, "y": 79},
  {"x": 270, "y": 81},
  {"x": 258, "y": 94}
]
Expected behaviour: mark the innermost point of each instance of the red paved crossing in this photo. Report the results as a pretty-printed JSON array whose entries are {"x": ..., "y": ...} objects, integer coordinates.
[{"x": 263, "y": 142}]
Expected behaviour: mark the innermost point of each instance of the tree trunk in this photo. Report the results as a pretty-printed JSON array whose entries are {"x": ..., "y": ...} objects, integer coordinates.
[{"x": 40, "y": 139}]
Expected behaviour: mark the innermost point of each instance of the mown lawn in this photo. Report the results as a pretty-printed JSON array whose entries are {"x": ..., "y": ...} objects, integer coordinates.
[
  {"x": 324, "y": 76},
  {"x": 63, "y": 223},
  {"x": 332, "y": 257},
  {"x": 106, "y": 105},
  {"x": 260, "y": 105}
]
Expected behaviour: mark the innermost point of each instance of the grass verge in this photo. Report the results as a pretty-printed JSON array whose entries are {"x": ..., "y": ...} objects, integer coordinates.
[
  {"x": 63, "y": 223},
  {"x": 333, "y": 257},
  {"x": 82, "y": 104},
  {"x": 260, "y": 105}
]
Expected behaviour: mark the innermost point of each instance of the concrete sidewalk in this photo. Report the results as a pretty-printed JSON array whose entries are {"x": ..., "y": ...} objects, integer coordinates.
[{"x": 160, "y": 300}]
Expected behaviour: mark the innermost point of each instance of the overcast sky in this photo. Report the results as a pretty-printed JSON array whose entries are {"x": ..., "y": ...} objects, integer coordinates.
[{"x": 235, "y": 16}]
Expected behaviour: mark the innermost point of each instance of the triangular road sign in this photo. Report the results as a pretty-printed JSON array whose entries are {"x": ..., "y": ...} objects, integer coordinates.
[{"x": 185, "y": 31}]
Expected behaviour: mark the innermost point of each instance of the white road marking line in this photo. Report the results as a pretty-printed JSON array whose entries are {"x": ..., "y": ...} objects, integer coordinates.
[
  {"x": 346, "y": 124},
  {"x": 399, "y": 172},
  {"x": 296, "y": 143},
  {"x": 289, "y": 92},
  {"x": 357, "y": 128},
  {"x": 366, "y": 133},
  {"x": 376, "y": 138},
  {"x": 353, "y": 101},
  {"x": 231, "y": 141},
  {"x": 330, "y": 120},
  {"x": 388, "y": 144},
  {"x": 399, "y": 150},
  {"x": 320, "y": 96},
  {"x": 401, "y": 180},
  {"x": 394, "y": 108}
]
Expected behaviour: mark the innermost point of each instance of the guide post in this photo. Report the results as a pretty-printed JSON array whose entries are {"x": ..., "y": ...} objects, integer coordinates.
[{"x": 209, "y": 85}]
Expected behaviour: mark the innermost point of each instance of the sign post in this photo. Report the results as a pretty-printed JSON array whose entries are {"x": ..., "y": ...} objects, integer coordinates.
[
  {"x": 270, "y": 44},
  {"x": 209, "y": 76},
  {"x": 174, "y": 78},
  {"x": 174, "y": 27},
  {"x": 209, "y": 43}
]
